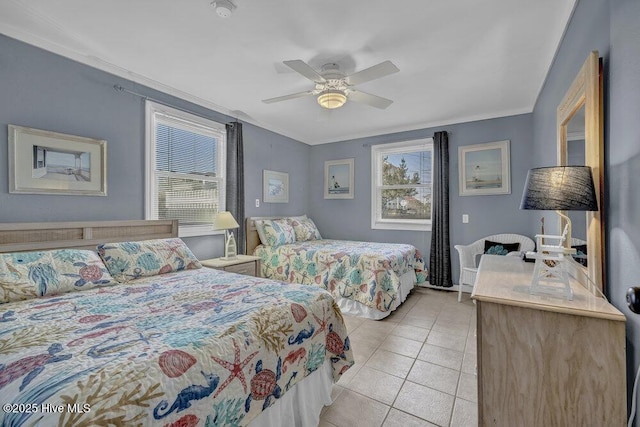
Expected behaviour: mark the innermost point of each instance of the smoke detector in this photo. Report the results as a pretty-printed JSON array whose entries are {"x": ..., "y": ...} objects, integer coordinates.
[{"x": 224, "y": 8}]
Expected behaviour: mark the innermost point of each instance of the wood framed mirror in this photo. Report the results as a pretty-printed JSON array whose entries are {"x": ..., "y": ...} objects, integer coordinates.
[{"x": 581, "y": 142}]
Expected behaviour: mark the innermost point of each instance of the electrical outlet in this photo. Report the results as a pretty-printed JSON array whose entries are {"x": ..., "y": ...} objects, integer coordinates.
[
  {"x": 257, "y": 203},
  {"x": 465, "y": 219}
]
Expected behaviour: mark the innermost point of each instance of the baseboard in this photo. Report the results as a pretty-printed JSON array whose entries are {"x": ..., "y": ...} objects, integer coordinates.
[{"x": 452, "y": 289}]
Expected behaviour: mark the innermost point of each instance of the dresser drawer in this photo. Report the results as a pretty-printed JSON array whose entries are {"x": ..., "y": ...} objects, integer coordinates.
[{"x": 247, "y": 268}]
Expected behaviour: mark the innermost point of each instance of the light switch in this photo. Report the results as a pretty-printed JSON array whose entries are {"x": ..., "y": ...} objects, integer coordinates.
[
  {"x": 257, "y": 203},
  {"x": 465, "y": 218}
]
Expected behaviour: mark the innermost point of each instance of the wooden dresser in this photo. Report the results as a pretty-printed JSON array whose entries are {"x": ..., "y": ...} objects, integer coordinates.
[{"x": 543, "y": 360}]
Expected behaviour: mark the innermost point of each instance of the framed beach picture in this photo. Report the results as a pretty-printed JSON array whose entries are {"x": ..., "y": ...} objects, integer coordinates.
[
  {"x": 338, "y": 179},
  {"x": 44, "y": 162},
  {"x": 275, "y": 187},
  {"x": 484, "y": 169}
]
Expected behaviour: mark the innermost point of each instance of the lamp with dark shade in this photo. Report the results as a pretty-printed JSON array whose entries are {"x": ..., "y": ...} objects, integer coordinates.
[{"x": 560, "y": 188}]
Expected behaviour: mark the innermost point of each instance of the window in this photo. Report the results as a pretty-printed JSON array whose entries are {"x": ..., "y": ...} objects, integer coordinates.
[
  {"x": 401, "y": 185},
  {"x": 185, "y": 161}
]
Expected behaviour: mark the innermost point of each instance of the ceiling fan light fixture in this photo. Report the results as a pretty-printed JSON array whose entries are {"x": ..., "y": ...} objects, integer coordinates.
[{"x": 331, "y": 99}]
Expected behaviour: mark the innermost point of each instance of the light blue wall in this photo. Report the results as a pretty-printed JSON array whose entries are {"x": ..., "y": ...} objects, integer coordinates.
[
  {"x": 612, "y": 28},
  {"x": 271, "y": 151},
  {"x": 588, "y": 31},
  {"x": 622, "y": 156},
  {"x": 46, "y": 91},
  {"x": 351, "y": 219}
]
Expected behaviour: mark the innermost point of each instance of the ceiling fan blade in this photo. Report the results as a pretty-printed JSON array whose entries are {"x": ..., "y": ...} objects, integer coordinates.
[
  {"x": 286, "y": 97},
  {"x": 304, "y": 69},
  {"x": 382, "y": 69},
  {"x": 367, "y": 98}
]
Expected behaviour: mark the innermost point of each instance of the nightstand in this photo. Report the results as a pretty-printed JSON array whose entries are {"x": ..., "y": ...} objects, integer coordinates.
[{"x": 243, "y": 264}]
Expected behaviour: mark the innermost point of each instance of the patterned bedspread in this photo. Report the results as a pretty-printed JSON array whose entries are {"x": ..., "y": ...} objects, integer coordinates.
[
  {"x": 198, "y": 347},
  {"x": 362, "y": 271}
]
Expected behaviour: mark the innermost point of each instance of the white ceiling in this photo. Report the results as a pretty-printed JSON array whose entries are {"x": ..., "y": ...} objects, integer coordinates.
[{"x": 459, "y": 60}]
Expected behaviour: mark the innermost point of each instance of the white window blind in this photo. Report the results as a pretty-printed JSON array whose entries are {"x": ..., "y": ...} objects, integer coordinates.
[{"x": 185, "y": 160}]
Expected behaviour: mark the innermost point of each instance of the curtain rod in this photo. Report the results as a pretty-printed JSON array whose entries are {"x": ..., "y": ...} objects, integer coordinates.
[{"x": 148, "y": 98}]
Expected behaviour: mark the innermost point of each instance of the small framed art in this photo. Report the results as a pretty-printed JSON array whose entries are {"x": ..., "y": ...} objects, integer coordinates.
[
  {"x": 338, "y": 179},
  {"x": 484, "y": 169},
  {"x": 275, "y": 187}
]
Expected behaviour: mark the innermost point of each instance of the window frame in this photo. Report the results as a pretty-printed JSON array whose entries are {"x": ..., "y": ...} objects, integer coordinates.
[
  {"x": 158, "y": 113},
  {"x": 377, "y": 153}
]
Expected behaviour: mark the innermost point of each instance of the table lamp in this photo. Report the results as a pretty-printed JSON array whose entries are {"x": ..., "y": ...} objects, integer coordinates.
[
  {"x": 226, "y": 221},
  {"x": 557, "y": 188},
  {"x": 560, "y": 188}
]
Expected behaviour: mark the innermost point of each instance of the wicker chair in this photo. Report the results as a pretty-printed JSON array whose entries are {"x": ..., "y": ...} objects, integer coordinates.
[{"x": 469, "y": 255}]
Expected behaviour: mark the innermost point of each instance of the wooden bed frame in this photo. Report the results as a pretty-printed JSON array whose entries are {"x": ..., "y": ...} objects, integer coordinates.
[{"x": 30, "y": 236}]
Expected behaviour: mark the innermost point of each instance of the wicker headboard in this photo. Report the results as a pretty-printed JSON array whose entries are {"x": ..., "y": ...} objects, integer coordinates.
[
  {"x": 29, "y": 236},
  {"x": 252, "y": 239}
]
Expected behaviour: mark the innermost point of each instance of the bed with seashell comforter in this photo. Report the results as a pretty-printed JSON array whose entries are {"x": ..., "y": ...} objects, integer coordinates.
[
  {"x": 366, "y": 279},
  {"x": 188, "y": 346},
  {"x": 363, "y": 272}
]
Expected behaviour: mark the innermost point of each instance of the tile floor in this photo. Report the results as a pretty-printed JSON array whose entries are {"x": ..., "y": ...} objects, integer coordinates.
[{"x": 414, "y": 368}]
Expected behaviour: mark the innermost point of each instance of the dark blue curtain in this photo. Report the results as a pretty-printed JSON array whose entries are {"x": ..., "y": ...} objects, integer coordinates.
[
  {"x": 440, "y": 256},
  {"x": 235, "y": 181}
]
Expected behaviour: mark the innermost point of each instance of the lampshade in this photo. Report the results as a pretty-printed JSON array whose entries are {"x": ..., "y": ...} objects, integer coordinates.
[
  {"x": 225, "y": 221},
  {"x": 562, "y": 188},
  {"x": 332, "y": 99}
]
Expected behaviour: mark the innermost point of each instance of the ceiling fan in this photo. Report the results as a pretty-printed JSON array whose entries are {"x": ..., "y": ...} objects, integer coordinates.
[{"x": 333, "y": 88}]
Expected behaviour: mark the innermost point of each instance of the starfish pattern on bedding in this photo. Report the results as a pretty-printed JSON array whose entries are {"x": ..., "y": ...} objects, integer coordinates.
[
  {"x": 235, "y": 368},
  {"x": 328, "y": 263},
  {"x": 322, "y": 323},
  {"x": 375, "y": 271},
  {"x": 173, "y": 248},
  {"x": 289, "y": 255}
]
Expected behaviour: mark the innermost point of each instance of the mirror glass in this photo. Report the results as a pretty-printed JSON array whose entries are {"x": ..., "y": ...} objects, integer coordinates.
[{"x": 576, "y": 157}]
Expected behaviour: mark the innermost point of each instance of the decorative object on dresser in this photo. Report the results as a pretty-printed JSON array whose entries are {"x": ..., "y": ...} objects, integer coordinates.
[
  {"x": 550, "y": 266},
  {"x": 546, "y": 361},
  {"x": 497, "y": 244},
  {"x": 226, "y": 221},
  {"x": 484, "y": 169},
  {"x": 275, "y": 187},
  {"x": 557, "y": 188},
  {"x": 338, "y": 179},
  {"x": 248, "y": 265},
  {"x": 44, "y": 162}
]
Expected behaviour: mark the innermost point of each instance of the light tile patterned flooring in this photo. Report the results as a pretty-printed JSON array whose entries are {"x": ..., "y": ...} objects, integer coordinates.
[{"x": 414, "y": 368}]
